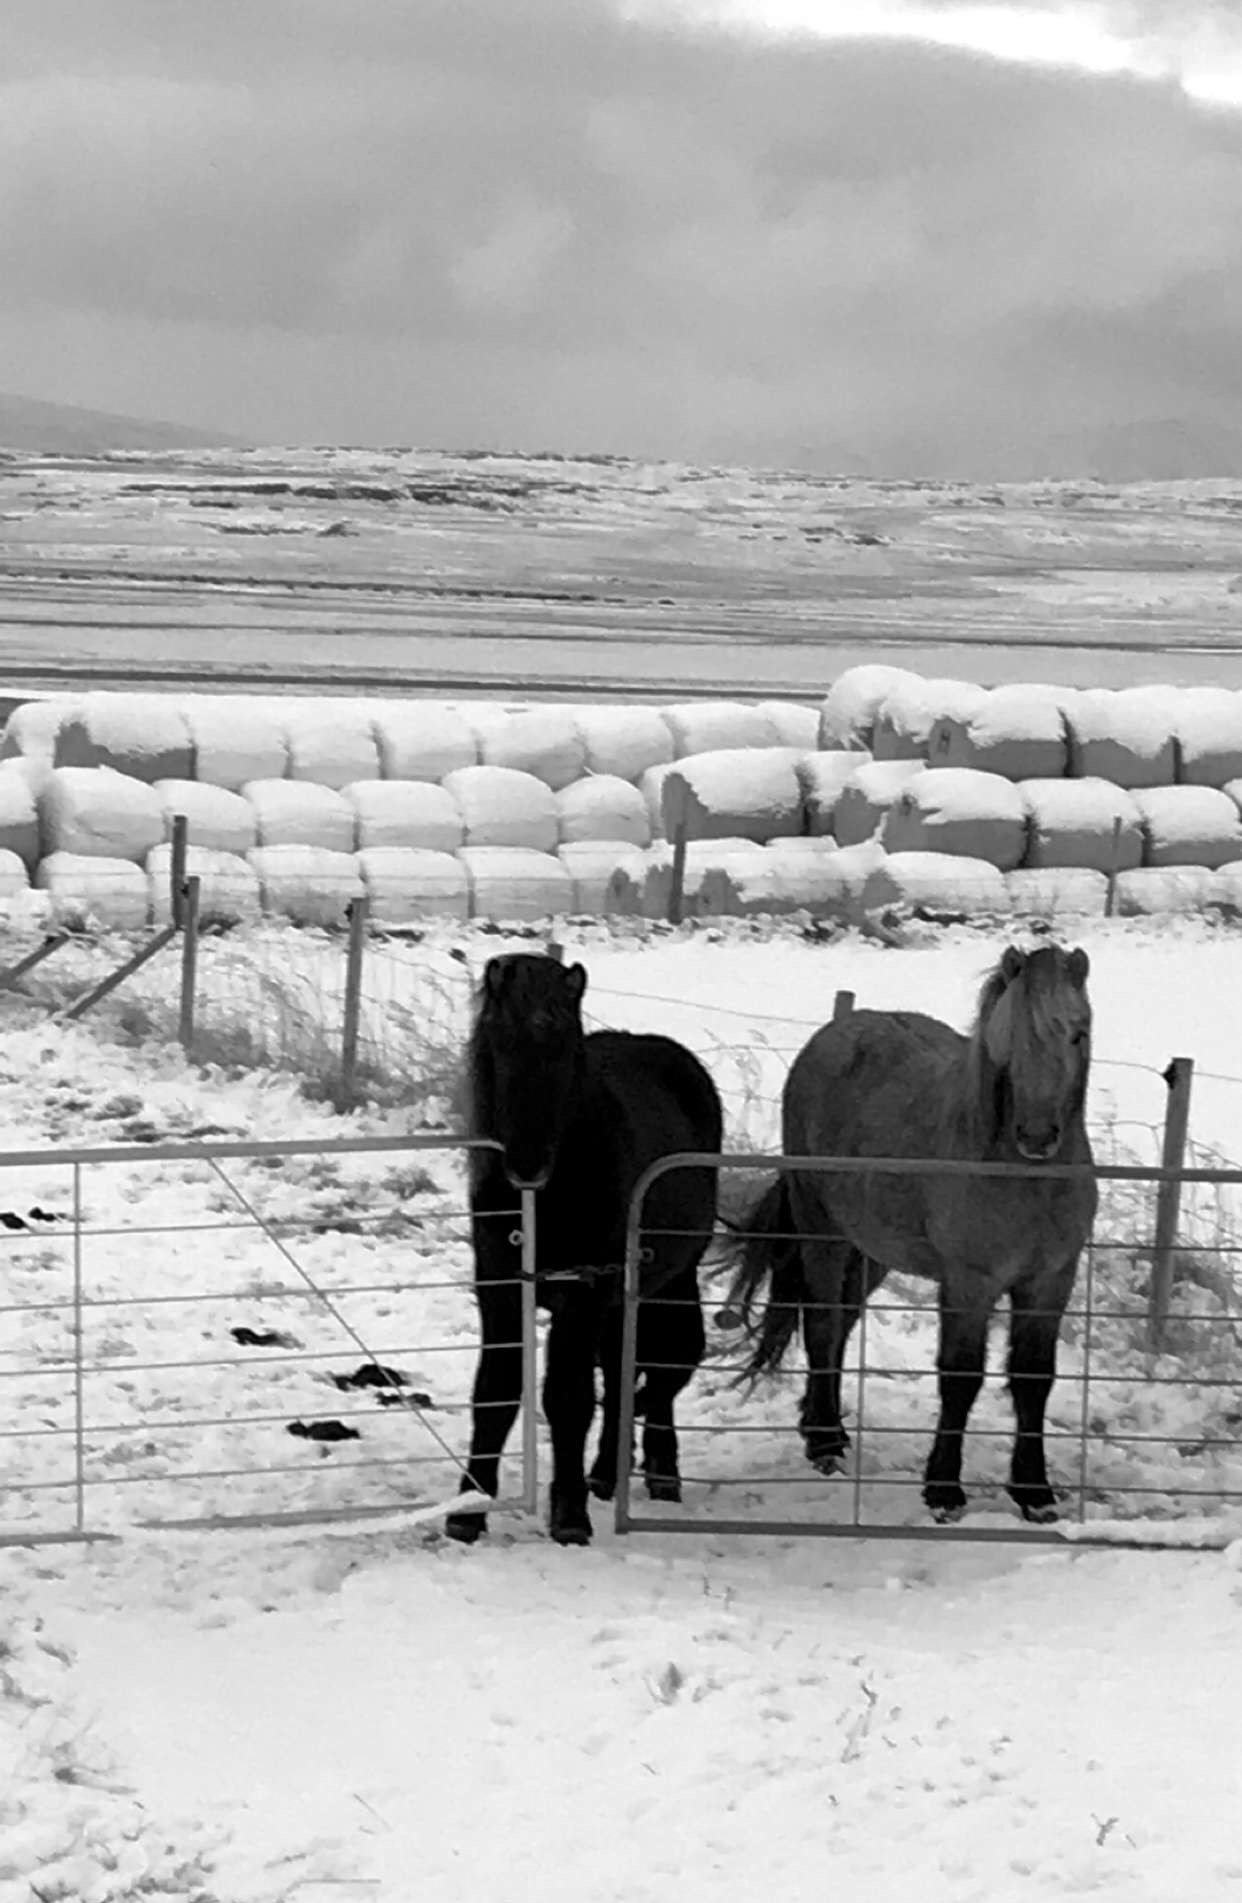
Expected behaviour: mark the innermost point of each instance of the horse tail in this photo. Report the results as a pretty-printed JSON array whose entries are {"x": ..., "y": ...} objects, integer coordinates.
[{"x": 769, "y": 1253}]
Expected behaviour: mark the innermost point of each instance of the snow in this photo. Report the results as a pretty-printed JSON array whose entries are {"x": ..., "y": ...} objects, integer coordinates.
[
  {"x": 503, "y": 806},
  {"x": 94, "y": 812},
  {"x": 961, "y": 811},
  {"x": 936, "y": 886},
  {"x": 31, "y": 729},
  {"x": 603, "y": 807},
  {"x": 1073, "y": 821},
  {"x": 1163, "y": 889},
  {"x": 235, "y": 741},
  {"x": 907, "y": 717},
  {"x": 19, "y": 814},
  {"x": 544, "y": 742},
  {"x": 145, "y": 735},
  {"x": 735, "y": 794},
  {"x": 867, "y": 795},
  {"x": 821, "y": 777},
  {"x": 704, "y": 726},
  {"x": 310, "y": 884},
  {"x": 1209, "y": 734},
  {"x": 330, "y": 744},
  {"x": 1057, "y": 891},
  {"x": 301, "y": 813},
  {"x": 419, "y": 740},
  {"x": 592, "y": 864},
  {"x": 1018, "y": 731},
  {"x": 409, "y": 813},
  {"x": 515, "y": 882},
  {"x": 405, "y": 884},
  {"x": 228, "y": 884},
  {"x": 1189, "y": 826},
  {"x": 623, "y": 740},
  {"x": 108, "y": 892},
  {"x": 848, "y": 713},
  {"x": 215, "y": 817},
  {"x": 794, "y": 723},
  {"x": 1126, "y": 737}
]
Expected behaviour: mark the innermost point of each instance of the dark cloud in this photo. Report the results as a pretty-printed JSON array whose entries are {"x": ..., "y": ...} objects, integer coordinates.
[{"x": 475, "y": 220}]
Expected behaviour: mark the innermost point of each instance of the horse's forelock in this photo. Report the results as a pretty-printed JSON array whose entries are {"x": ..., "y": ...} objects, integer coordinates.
[{"x": 1043, "y": 998}]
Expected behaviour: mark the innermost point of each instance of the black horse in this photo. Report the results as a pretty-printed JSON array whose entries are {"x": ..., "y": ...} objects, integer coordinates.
[{"x": 579, "y": 1118}]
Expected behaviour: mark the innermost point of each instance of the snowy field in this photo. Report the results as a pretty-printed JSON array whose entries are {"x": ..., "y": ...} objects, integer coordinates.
[{"x": 362, "y": 1710}]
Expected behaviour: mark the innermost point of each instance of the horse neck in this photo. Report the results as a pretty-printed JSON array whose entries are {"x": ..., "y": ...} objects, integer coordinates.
[{"x": 483, "y": 1115}]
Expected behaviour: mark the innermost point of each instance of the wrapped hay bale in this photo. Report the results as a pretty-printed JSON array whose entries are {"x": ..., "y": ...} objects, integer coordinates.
[
  {"x": 1072, "y": 823},
  {"x": 736, "y": 794},
  {"x": 867, "y": 795},
  {"x": 422, "y": 740},
  {"x": 228, "y": 885},
  {"x": 1209, "y": 736},
  {"x": 331, "y": 743},
  {"x": 145, "y": 736},
  {"x": 592, "y": 865},
  {"x": 960, "y": 811},
  {"x": 651, "y": 786},
  {"x": 768, "y": 880},
  {"x": 1150, "y": 891},
  {"x": 624, "y": 741},
  {"x": 794, "y": 722},
  {"x": 934, "y": 886},
  {"x": 847, "y": 714},
  {"x": 405, "y": 884},
  {"x": 717, "y": 726},
  {"x": 92, "y": 812},
  {"x": 905, "y": 718},
  {"x": 234, "y": 740},
  {"x": 501, "y": 806},
  {"x": 645, "y": 889},
  {"x": 516, "y": 883},
  {"x": 90, "y": 890},
  {"x": 312, "y": 885},
  {"x": 544, "y": 742},
  {"x": 1126, "y": 736},
  {"x": 301, "y": 813},
  {"x": 14, "y": 878},
  {"x": 1189, "y": 826},
  {"x": 410, "y": 813},
  {"x": 1225, "y": 891},
  {"x": 19, "y": 814},
  {"x": 1019, "y": 732},
  {"x": 31, "y": 729},
  {"x": 603, "y": 807},
  {"x": 1057, "y": 892},
  {"x": 822, "y": 776},
  {"x": 214, "y": 817}
]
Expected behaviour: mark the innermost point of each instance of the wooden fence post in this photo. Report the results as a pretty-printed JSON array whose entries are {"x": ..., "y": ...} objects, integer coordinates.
[
  {"x": 677, "y": 889},
  {"x": 1114, "y": 867},
  {"x": 180, "y": 845},
  {"x": 189, "y": 962},
  {"x": 1178, "y": 1078},
  {"x": 356, "y": 912},
  {"x": 842, "y": 1005}
]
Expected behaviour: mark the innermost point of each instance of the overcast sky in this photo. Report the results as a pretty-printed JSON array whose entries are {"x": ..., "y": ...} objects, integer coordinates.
[{"x": 615, "y": 225}]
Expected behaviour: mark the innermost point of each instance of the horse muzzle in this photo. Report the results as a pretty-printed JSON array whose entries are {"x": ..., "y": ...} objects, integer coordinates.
[{"x": 1039, "y": 1147}]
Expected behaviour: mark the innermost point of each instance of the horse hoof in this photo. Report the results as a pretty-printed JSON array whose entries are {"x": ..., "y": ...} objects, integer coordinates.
[
  {"x": 465, "y": 1527},
  {"x": 948, "y": 1515},
  {"x": 828, "y": 1463},
  {"x": 1041, "y": 1515},
  {"x": 663, "y": 1487},
  {"x": 602, "y": 1487},
  {"x": 573, "y": 1534}
]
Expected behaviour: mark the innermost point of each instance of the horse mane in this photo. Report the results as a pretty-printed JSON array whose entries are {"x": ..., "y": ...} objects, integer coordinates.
[{"x": 1048, "y": 992}]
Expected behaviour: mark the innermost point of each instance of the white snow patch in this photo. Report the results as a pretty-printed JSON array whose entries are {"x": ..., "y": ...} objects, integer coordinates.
[
  {"x": 735, "y": 794},
  {"x": 301, "y": 813},
  {"x": 410, "y": 813},
  {"x": 215, "y": 817},
  {"x": 603, "y": 807},
  {"x": 502, "y": 806},
  {"x": 1073, "y": 823},
  {"x": 958, "y": 810},
  {"x": 92, "y": 812}
]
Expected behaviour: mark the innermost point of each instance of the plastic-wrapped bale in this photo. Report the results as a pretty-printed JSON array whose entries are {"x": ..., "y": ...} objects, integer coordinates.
[
  {"x": 544, "y": 742},
  {"x": 331, "y": 743},
  {"x": 624, "y": 741},
  {"x": 767, "y": 880},
  {"x": 794, "y": 723},
  {"x": 516, "y": 883},
  {"x": 311, "y": 885},
  {"x": 422, "y": 740},
  {"x": 88, "y": 890},
  {"x": 865, "y": 798},
  {"x": 960, "y": 811},
  {"x": 740, "y": 793},
  {"x": 646, "y": 890},
  {"x": 934, "y": 886},
  {"x": 905, "y": 719},
  {"x": 651, "y": 786},
  {"x": 235, "y": 741},
  {"x": 405, "y": 885},
  {"x": 1125, "y": 736},
  {"x": 822, "y": 776},
  {"x": 14, "y": 878},
  {"x": 501, "y": 806},
  {"x": 1058, "y": 892},
  {"x": 717, "y": 726},
  {"x": 1150, "y": 891},
  {"x": 145, "y": 736},
  {"x": 1189, "y": 826},
  {"x": 31, "y": 729},
  {"x": 593, "y": 865},
  {"x": 603, "y": 807},
  {"x": 1019, "y": 732},
  {"x": 409, "y": 813},
  {"x": 1072, "y": 823},
  {"x": 19, "y": 814},
  {"x": 228, "y": 885},
  {"x": 847, "y": 715},
  {"x": 214, "y": 816},
  {"x": 1225, "y": 891},
  {"x": 301, "y": 813},
  {"x": 91, "y": 812},
  {"x": 1209, "y": 736}
]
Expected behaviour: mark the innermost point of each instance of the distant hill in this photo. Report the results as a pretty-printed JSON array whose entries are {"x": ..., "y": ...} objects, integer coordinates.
[{"x": 61, "y": 428}]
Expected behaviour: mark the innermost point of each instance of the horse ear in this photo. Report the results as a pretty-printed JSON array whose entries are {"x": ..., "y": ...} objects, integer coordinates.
[
  {"x": 576, "y": 982},
  {"x": 1012, "y": 963},
  {"x": 1078, "y": 965}
]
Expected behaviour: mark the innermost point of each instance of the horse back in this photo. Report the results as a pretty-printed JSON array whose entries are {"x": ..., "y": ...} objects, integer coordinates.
[{"x": 871, "y": 1084}]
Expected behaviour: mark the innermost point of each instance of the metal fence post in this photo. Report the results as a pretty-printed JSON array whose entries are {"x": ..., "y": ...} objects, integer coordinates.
[
  {"x": 357, "y": 911},
  {"x": 1179, "y": 1077},
  {"x": 530, "y": 1362},
  {"x": 677, "y": 883},
  {"x": 79, "y": 1369},
  {"x": 629, "y": 1357},
  {"x": 189, "y": 962},
  {"x": 177, "y": 866}
]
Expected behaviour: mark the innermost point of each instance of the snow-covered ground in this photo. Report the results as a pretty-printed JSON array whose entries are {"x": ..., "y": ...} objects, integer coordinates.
[{"x": 363, "y": 1710}]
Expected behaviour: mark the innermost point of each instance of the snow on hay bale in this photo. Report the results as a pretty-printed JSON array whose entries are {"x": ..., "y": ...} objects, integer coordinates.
[
  {"x": 867, "y": 795},
  {"x": 645, "y": 890},
  {"x": 19, "y": 813},
  {"x": 90, "y": 890},
  {"x": 14, "y": 878},
  {"x": 1149, "y": 891},
  {"x": 514, "y": 882},
  {"x": 716, "y": 726},
  {"x": 235, "y": 741},
  {"x": 1125, "y": 736},
  {"x": 420, "y": 740},
  {"x": 502, "y": 806},
  {"x": 1189, "y": 826},
  {"x": 822, "y": 776},
  {"x": 592, "y": 865},
  {"x": 905, "y": 718},
  {"x": 214, "y": 817},
  {"x": 301, "y": 813},
  {"x": 794, "y": 723},
  {"x": 92, "y": 812},
  {"x": 544, "y": 742},
  {"x": 331, "y": 743},
  {"x": 410, "y": 813},
  {"x": 1209, "y": 736},
  {"x": 934, "y": 886},
  {"x": 405, "y": 884},
  {"x": 228, "y": 884},
  {"x": 624, "y": 741},
  {"x": 603, "y": 807},
  {"x": 1072, "y": 823},
  {"x": 957, "y": 810},
  {"x": 847, "y": 715},
  {"x": 143, "y": 735},
  {"x": 1057, "y": 891},
  {"x": 739, "y": 793},
  {"x": 31, "y": 729},
  {"x": 1225, "y": 892},
  {"x": 1019, "y": 732},
  {"x": 768, "y": 880},
  {"x": 312, "y": 885},
  {"x": 651, "y": 786}
]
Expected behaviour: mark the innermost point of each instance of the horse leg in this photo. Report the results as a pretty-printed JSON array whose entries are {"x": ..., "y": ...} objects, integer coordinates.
[
  {"x": 496, "y": 1400},
  {"x": 569, "y": 1404},
  {"x": 672, "y": 1343},
  {"x": 961, "y": 1362},
  {"x": 827, "y": 1262},
  {"x": 1036, "y": 1310},
  {"x": 602, "y": 1479}
]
